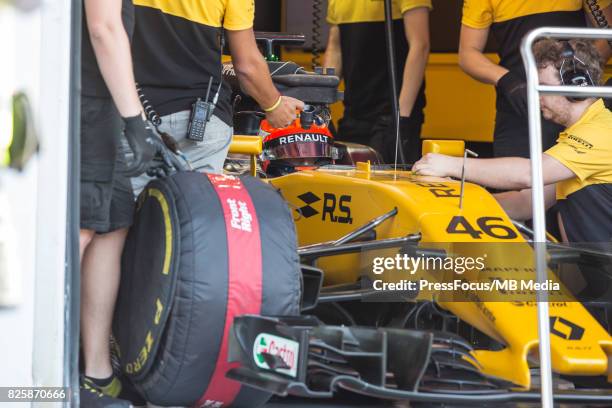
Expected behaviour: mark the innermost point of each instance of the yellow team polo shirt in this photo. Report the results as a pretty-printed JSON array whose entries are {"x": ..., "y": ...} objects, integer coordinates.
[
  {"x": 233, "y": 14},
  {"x": 483, "y": 13},
  {"x": 585, "y": 201},
  {"x": 362, "y": 11},
  {"x": 177, "y": 50},
  {"x": 586, "y": 149},
  {"x": 511, "y": 20}
]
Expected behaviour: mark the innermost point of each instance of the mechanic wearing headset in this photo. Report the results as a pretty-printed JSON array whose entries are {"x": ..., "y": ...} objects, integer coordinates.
[
  {"x": 108, "y": 95},
  {"x": 356, "y": 50},
  {"x": 509, "y": 21},
  {"x": 177, "y": 50},
  {"x": 577, "y": 170}
]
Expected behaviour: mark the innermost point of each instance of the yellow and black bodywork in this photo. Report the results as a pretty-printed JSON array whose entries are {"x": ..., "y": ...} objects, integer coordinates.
[{"x": 331, "y": 202}]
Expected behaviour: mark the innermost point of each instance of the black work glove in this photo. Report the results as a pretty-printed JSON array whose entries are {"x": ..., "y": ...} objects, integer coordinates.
[
  {"x": 514, "y": 89},
  {"x": 143, "y": 142},
  {"x": 608, "y": 101}
]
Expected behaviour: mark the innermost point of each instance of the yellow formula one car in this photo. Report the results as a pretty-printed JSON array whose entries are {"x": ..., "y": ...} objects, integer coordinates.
[
  {"x": 348, "y": 216},
  {"x": 399, "y": 316}
]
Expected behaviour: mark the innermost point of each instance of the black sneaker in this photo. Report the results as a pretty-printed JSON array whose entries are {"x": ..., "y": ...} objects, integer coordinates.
[{"x": 92, "y": 397}]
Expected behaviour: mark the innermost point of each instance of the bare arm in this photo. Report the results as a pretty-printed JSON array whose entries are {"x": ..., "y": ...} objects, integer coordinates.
[
  {"x": 333, "y": 52},
  {"x": 254, "y": 77},
  {"x": 507, "y": 173},
  {"x": 472, "y": 60},
  {"x": 517, "y": 204},
  {"x": 112, "y": 48},
  {"x": 416, "y": 26},
  {"x": 251, "y": 68}
]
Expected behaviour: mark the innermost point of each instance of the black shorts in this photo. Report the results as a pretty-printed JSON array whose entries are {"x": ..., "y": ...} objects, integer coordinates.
[
  {"x": 107, "y": 200},
  {"x": 511, "y": 135}
]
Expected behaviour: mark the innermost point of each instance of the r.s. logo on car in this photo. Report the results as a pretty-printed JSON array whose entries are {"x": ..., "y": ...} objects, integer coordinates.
[{"x": 335, "y": 208}]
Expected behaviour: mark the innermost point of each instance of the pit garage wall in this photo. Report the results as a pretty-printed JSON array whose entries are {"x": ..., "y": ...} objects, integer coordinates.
[{"x": 18, "y": 201}]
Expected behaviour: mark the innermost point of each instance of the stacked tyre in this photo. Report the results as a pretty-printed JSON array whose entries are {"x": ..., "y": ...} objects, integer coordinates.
[{"x": 203, "y": 249}]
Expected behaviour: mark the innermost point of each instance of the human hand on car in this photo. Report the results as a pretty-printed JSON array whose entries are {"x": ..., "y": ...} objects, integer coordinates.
[
  {"x": 438, "y": 165},
  {"x": 285, "y": 113}
]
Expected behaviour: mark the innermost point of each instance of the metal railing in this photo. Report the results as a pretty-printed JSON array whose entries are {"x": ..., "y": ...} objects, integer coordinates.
[{"x": 537, "y": 184}]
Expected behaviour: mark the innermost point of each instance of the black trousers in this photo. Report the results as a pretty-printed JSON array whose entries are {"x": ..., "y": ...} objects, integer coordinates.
[
  {"x": 379, "y": 134},
  {"x": 511, "y": 135}
]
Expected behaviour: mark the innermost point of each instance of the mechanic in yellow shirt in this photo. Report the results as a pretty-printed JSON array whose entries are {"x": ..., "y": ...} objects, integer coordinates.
[
  {"x": 509, "y": 21},
  {"x": 356, "y": 49},
  {"x": 177, "y": 51},
  {"x": 577, "y": 170}
]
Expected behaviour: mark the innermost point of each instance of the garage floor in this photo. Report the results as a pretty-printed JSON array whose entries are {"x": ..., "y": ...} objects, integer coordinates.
[
  {"x": 349, "y": 401},
  {"x": 365, "y": 402}
]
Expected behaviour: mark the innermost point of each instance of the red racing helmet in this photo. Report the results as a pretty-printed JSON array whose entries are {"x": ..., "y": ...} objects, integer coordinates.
[{"x": 296, "y": 144}]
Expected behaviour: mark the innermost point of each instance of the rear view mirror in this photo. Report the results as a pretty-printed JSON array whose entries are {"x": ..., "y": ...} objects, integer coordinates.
[
  {"x": 249, "y": 145},
  {"x": 447, "y": 147}
]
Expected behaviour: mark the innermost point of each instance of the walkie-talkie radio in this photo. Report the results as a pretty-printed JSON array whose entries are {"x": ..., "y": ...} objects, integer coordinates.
[{"x": 200, "y": 115}]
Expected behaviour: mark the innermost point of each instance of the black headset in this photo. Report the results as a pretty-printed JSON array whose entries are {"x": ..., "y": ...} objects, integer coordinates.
[{"x": 573, "y": 71}]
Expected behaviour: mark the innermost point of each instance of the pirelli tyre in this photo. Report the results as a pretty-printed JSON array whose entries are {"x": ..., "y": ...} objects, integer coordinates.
[{"x": 203, "y": 249}]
